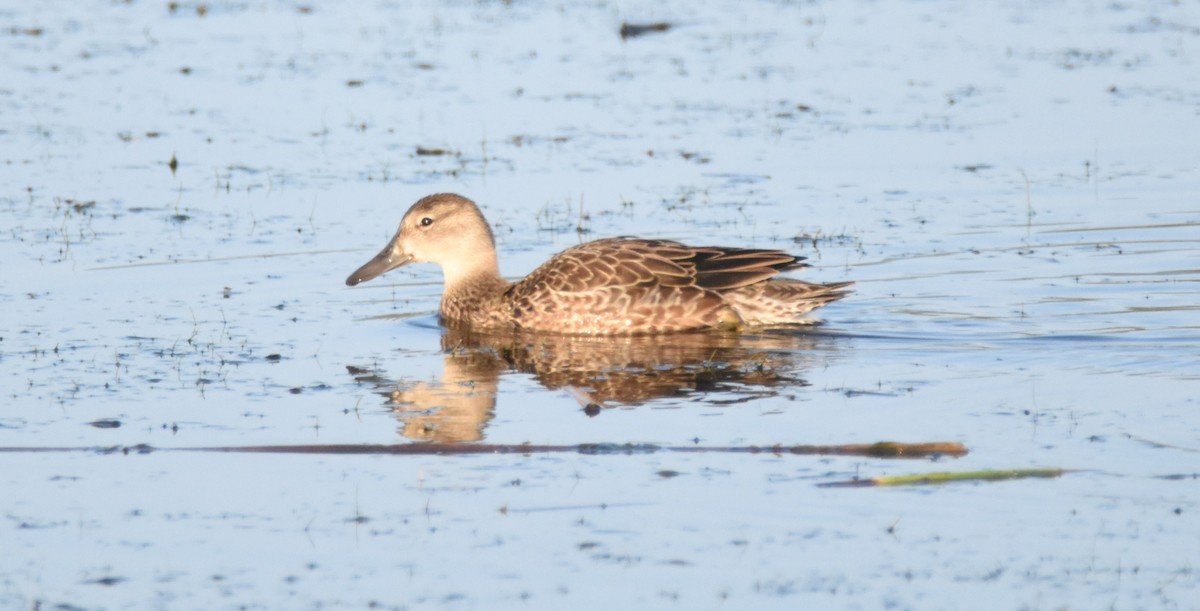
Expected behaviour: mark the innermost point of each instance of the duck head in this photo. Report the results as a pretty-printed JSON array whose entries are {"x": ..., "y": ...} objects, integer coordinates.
[{"x": 445, "y": 229}]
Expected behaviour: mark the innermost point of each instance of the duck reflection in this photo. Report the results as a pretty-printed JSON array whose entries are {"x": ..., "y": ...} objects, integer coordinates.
[{"x": 600, "y": 372}]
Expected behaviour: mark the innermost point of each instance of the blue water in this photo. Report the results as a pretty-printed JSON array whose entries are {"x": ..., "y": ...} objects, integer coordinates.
[{"x": 1012, "y": 188}]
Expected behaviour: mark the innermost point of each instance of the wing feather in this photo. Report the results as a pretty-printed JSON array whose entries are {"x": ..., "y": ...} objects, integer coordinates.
[{"x": 628, "y": 262}]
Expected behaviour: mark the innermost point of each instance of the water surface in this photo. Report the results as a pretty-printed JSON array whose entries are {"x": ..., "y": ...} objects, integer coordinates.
[{"x": 1013, "y": 188}]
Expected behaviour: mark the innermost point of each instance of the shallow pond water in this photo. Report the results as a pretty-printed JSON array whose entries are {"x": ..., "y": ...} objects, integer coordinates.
[{"x": 1014, "y": 188}]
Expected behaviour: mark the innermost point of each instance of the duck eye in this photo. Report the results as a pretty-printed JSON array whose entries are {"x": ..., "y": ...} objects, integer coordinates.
[{"x": 425, "y": 222}]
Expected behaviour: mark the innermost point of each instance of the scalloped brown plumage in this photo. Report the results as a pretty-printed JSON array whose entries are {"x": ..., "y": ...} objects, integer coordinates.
[{"x": 615, "y": 286}]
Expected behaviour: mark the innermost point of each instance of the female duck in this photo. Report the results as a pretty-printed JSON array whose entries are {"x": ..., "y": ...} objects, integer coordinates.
[{"x": 616, "y": 286}]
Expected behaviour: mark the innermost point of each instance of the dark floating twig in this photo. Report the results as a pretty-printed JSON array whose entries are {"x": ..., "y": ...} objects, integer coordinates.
[
  {"x": 633, "y": 30},
  {"x": 107, "y": 581},
  {"x": 886, "y": 449},
  {"x": 141, "y": 448},
  {"x": 429, "y": 151}
]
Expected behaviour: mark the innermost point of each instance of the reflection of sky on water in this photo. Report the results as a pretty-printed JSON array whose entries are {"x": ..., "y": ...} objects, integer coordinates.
[{"x": 1010, "y": 185}]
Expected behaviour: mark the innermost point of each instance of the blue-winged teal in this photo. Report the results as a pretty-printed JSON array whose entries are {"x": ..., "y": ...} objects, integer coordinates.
[{"x": 617, "y": 286}]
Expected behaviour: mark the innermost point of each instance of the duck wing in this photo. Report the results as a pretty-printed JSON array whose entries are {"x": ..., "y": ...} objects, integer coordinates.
[
  {"x": 627, "y": 285},
  {"x": 630, "y": 262},
  {"x": 725, "y": 269}
]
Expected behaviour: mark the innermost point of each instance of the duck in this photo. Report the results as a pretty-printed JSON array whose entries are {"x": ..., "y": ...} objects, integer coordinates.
[{"x": 611, "y": 286}]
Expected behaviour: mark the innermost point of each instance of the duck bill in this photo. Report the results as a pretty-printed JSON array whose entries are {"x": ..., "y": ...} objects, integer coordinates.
[{"x": 388, "y": 259}]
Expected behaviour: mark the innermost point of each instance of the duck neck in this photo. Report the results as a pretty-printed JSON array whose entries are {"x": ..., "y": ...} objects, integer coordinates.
[
  {"x": 469, "y": 286},
  {"x": 481, "y": 270}
]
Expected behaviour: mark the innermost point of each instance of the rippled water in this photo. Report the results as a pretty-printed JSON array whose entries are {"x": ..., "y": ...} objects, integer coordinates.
[{"x": 1014, "y": 189}]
